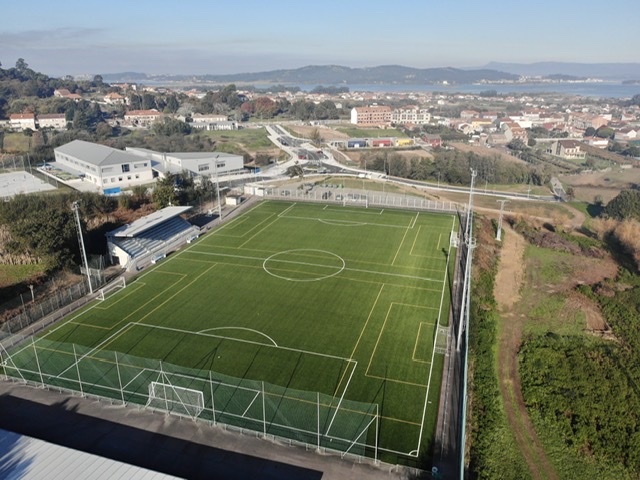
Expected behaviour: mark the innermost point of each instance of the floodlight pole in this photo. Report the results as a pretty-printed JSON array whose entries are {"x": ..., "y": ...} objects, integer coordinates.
[
  {"x": 215, "y": 167},
  {"x": 499, "y": 234},
  {"x": 474, "y": 174},
  {"x": 75, "y": 206}
]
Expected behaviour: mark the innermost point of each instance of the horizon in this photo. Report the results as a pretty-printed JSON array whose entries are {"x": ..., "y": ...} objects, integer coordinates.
[{"x": 222, "y": 38}]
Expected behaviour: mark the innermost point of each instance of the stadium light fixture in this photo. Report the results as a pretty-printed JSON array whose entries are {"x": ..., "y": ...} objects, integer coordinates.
[{"x": 75, "y": 205}]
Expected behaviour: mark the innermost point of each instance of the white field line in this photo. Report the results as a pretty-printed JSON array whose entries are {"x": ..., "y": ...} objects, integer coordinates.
[
  {"x": 254, "y": 399},
  {"x": 223, "y": 337},
  {"x": 435, "y": 338}
]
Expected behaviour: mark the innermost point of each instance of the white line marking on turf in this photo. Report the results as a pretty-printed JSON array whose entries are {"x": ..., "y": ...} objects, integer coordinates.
[
  {"x": 435, "y": 338},
  {"x": 241, "y": 328}
]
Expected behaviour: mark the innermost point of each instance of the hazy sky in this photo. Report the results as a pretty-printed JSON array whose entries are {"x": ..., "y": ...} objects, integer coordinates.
[{"x": 223, "y": 36}]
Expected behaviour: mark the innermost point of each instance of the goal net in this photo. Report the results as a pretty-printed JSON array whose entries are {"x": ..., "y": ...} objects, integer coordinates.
[
  {"x": 104, "y": 292},
  {"x": 180, "y": 400}
]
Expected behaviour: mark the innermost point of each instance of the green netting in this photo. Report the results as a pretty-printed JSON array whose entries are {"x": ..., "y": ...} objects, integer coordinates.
[{"x": 307, "y": 417}]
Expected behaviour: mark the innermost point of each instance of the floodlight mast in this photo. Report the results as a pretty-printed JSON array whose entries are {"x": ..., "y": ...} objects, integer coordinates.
[
  {"x": 75, "y": 205},
  {"x": 499, "y": 233},
  {"x": 215, "y": 165}
]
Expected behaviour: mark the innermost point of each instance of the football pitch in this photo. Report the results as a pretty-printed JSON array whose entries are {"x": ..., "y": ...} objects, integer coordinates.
[{"x": 336, "y": 309}]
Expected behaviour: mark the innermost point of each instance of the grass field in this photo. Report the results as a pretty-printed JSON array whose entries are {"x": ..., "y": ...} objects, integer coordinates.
[{"x": 318, "y": 298}]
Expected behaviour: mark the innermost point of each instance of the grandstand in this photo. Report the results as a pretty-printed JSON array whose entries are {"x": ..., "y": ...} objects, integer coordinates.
[{"x": 146, "y": 240}]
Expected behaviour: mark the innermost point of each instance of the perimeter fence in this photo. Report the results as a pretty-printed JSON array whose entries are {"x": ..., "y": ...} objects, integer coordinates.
[{"x": 313, "y": 419}]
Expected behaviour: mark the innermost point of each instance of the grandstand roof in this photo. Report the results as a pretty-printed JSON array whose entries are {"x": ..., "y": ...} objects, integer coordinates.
[
  {"x": 145, "y": 223},
  {"x": 27, "y": 457},
  {"x": 96, "y": 154}
]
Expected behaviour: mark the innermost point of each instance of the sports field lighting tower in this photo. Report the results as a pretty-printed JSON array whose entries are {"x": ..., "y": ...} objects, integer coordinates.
[
  {"x": 474, "y": 174},
  {"x": 215, "y": 168},
  {"x": 499, "y": 233},
  {"x": 75, "y": 205}
]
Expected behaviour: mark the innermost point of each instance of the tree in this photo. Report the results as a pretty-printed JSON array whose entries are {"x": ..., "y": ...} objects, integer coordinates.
[
  {"x": 590, "y": 132},
  {"x": 168, "y": 126},
  {"x": 172, "y": 104},
  {"x": 295, "y": 171},
  {"x": 164, "y": 194},
  {"x": 148, "y": 101},
  {"x": 316, "y": 137},
  {"x": 605, "y": 132},
  {"x": 104, "y": 130},
  {"x": 625, "y": 205}
]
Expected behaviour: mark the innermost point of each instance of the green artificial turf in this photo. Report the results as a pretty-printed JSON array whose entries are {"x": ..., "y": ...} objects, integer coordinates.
[{"x": 343, "y": 301}]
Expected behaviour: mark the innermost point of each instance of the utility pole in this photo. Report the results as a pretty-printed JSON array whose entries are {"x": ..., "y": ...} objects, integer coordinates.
[
  {"x": 75, "y": 206},
  {"x": 499, "y": 234},
  {"x": 215, "y": 165}
]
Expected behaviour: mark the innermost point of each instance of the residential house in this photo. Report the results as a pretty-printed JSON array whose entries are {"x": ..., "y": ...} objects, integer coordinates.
[
  {"x": 55, "y": 121},
  {"x": 583, "y": 121},
  {"x": 469, "y": 114},
  {"x": 142, "y": 118},
  {"x": 627, "y": 133},
  {"x": 434, "y": 140},
  {"x": 513, "y": 131},
  {"x": 114, "y": 98},
  {"x": 596, "y": 142},
  {"x": 569, "y": 149},
  {"x": 64, "y": 93},
  {"x": 497, "y": 138},
  {"x": 22, "y": 121}
]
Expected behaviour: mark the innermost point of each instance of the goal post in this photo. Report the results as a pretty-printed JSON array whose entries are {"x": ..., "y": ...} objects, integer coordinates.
[
  {"x": 119, "y": 283},
  {"x": 174, "y": 399}
]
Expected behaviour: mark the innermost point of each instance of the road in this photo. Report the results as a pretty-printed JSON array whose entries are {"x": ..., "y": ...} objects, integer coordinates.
[{"x": 302, "y": 152}]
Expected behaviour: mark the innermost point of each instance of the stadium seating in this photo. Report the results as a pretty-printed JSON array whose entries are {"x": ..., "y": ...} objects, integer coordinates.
[{"x": 153, "y": 239}]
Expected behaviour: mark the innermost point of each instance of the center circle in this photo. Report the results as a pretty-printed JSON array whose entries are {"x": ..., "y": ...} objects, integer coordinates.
[{"x": 304, "y": 265}]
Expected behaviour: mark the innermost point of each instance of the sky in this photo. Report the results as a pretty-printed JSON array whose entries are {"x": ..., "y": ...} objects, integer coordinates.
[{"x": 223, "y": 36}]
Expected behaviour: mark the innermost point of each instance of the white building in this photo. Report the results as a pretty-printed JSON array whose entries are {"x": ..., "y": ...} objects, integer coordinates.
[
  {"x": 198, "y": 163},
  {"x": 22, "y": 121},
  {"x": 414, "y": 115},
  {"x": 56, "y": 121},
  {"x": 108, "y": 168}
]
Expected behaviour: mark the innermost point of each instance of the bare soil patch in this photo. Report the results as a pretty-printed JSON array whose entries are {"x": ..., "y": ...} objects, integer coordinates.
[
  {"x": 486, "y": 151},
  {"x": 593, "y": 316},
  {"x": 325, "y": 132},
  {"x": 509, "y": 280}
]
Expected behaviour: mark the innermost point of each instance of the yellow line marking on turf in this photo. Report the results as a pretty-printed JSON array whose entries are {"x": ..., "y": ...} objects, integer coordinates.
[
  {"x": 102, "y": 347},
  {"x": 400, "y": 246},
  {"x": 379, "y": 337},
  {"x": 367, "y": 321},
  {"x": 413, "y": 356},
  {"x": 172, "y": 273},
  {"x": 415, "y": 240},
  {"x": 140, "y": 307},
  {"x": 415, "y": 220},
  {"x": 259, "y": 231},
  {"x": 422, "y": 385},
  {"x": 131, "y": 289},
  {"x": 364, "y": 327}
]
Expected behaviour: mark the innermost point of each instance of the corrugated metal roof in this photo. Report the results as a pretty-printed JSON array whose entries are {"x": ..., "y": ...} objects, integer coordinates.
[
  {"x": 27, "y": 457},
  {"x": 96, "y": 154},
  {"x": 147, "y": 222}
]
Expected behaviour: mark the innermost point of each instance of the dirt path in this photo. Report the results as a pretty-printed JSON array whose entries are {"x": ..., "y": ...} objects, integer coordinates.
[{"x": 507, "y": 292}]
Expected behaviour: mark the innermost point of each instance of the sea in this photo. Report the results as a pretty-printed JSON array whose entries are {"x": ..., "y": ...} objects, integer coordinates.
[{"x": 585, "y": 89}]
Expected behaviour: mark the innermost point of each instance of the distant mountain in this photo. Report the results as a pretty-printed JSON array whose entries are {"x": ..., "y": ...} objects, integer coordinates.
[
  {"x": 334, "y": 75},
  {"x": 608, "y": 71}
]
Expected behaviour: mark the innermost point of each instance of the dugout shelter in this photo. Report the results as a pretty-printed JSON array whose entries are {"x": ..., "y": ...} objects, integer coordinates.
[{"x": 150, "y": 238}]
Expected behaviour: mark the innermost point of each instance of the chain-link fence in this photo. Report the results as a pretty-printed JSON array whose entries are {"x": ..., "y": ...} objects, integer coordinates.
[{"x": 313, "y": 419}]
